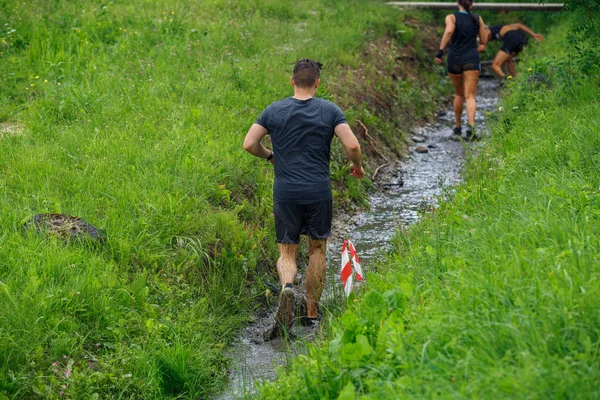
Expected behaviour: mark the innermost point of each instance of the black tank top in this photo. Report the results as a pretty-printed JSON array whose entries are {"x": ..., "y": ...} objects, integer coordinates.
[
  {"x": 495, "y": 30},
  {"x": 463, "y": 45}
]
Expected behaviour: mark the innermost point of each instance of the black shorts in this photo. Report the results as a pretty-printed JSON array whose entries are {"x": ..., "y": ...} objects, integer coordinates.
[
  {"x": 293, "y": 220},
  {"x": 458, "y": 69},
  {"x": 513, "y": 42}
]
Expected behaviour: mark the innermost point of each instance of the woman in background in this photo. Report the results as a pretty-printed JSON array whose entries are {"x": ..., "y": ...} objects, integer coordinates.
[
  {"x": 513, "y": 39},
  {"x": 462, "y": 30}
]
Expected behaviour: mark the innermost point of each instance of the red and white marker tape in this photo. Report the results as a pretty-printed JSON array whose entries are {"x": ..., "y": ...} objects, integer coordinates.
[{"x": 347, "y": 267}]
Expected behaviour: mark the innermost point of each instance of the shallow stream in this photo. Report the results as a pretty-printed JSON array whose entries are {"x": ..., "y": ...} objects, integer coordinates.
[{"x": 407, "y": 188}]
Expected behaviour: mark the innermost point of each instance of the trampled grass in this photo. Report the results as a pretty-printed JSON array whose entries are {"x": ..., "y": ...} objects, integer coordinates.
[
  {"x": 134, "y": 113},
  {"x": 496, "y": 294}
]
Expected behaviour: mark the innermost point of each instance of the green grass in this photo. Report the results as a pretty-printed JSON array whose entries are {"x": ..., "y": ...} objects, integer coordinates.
[
  {"x": 134, "y": 113},
  {"x": 496, "y": 294}
]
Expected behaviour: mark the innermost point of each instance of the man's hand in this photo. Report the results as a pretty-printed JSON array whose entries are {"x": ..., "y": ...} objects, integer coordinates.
[
  {"x": 352, "y": 147},
  {"x": 357, "y": 172},
  {"x": 481, "y": 48},
  {"x": 538, "y": 37}
]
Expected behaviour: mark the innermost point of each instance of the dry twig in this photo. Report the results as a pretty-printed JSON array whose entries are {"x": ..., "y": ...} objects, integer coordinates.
[
  {"x": 372, "y": 141},
  {"x": 377, "y": 170}
]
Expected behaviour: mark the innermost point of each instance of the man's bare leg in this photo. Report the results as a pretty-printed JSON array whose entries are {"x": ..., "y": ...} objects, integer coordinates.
[
  {"x": 286, "y": 268},
  {"x": 286, "y": 264},
  {"x": 315, "y": 275}
]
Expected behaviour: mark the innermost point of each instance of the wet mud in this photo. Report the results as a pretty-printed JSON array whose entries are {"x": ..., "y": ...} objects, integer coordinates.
[{"x": 406, "y": 189}]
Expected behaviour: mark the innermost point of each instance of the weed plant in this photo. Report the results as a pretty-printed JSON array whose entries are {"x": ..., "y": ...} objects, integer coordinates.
[
  {"x": 134, "y": 115},
  {"x": 496, "y": 293}
]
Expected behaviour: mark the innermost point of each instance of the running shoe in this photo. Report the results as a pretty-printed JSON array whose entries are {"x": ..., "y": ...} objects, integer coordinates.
[
  {"x": 458, "y": 131},
  {"x": 472, "y": 134},
  {"x": 285, "y": 312},
  {"x": 302, "y": 313},
  {"x": 312, "y": 322}
]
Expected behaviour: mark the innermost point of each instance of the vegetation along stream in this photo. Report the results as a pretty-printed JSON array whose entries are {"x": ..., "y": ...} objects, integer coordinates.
[
  {"x": 407, "y": 188},
  {"x": 129, "y": 116}
]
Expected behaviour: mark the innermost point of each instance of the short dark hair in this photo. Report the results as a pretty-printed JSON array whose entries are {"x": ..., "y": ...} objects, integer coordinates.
[{"x": 306, "y": 72}]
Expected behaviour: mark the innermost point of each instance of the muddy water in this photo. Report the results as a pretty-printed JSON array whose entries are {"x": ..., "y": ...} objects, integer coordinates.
[{"x": 407, "y": 188}]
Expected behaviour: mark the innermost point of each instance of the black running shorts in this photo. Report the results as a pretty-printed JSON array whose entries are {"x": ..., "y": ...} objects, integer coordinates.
[
  {"x": 513, "y": 42},
  {"x": 458, "y": 69},
  {"x": 293, "y": 220}
]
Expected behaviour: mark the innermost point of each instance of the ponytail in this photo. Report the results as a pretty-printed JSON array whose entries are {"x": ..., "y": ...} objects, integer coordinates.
[{"x": 467, "y": 4}]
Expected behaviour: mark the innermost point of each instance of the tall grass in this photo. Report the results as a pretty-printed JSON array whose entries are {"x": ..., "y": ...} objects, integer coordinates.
[
  {"x": 496, "y": 294},
  {"x": 134, "y": 114}
]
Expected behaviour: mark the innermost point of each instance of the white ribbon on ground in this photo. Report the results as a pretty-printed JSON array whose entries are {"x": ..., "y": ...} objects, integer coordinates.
[{"x": 349, "y": 261}]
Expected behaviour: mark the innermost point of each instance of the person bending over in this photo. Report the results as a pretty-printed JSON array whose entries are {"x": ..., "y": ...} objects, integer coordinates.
[
  {"x": 301, "y": 129},
  {"x": 513, "y": 40},
  {"x": 462, "y": 30}
]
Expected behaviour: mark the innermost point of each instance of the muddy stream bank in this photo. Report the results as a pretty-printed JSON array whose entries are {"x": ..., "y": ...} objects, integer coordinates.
[{"x": 406, "y": 189}]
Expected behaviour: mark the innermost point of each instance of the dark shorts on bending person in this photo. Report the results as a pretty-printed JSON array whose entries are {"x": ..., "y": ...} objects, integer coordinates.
[
  {"x": 513, "y": 42},
  {"x": 293, "y": 220}
]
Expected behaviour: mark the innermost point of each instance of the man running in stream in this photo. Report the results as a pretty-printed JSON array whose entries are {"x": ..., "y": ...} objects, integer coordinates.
[
  {"x": 513, "y": 39},
  {"x": 301, "y": 129}
]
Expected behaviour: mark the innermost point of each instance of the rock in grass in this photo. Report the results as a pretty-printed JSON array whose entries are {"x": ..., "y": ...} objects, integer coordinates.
[
  {"x": 66, "y": 227},
  {"x": 421, "y": 149}
]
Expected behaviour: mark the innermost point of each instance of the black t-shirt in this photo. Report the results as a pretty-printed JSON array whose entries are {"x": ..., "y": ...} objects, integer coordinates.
[{"x": 301, "y": 133}]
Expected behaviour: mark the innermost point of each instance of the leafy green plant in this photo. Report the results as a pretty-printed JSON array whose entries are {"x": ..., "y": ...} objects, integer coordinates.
[
  {"x": 584, "y": 35},
  {"x": 490, "y": 295}
]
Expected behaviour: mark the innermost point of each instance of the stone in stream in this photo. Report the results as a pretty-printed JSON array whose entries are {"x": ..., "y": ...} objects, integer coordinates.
[
  {"x": 421, "y": 149},
  {"x": 418, "y": 139},
  {"x": 65, "y": 227},
  {"x": 388, "y": 186}
]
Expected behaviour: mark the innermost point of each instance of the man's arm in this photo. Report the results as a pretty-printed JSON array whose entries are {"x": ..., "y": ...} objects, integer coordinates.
[
  {"x": 352, "y": 147},
  {"x": 252, "y": 142}
]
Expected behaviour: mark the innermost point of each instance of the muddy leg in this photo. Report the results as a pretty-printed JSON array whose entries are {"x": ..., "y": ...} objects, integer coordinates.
[
  {"x": 459, "y": 96},
  {"x": 286, "y": 268},
  {"x": 315, "y": 275},
  {"x": 286, "y": 264},
  {"x": 499, "y": 60},
  {"x": 512, "y": 67}
]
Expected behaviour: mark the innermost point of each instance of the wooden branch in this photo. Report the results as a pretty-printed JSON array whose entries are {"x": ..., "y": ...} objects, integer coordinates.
[
  {"x": 372, "y": 141},
  {"x": 377, "y": 170},
  {"x": 479, "y": 6}
]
